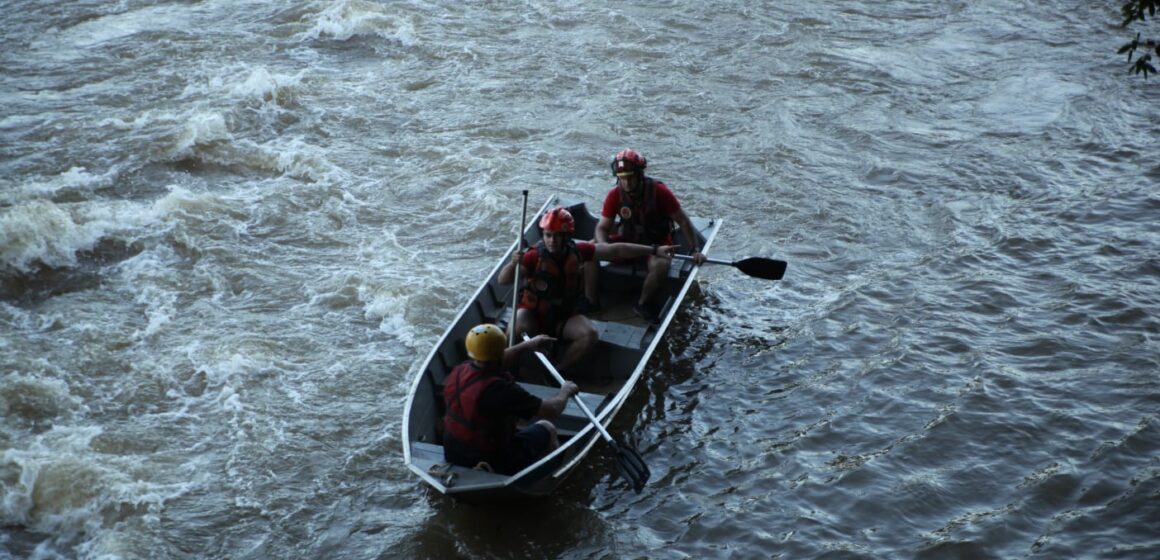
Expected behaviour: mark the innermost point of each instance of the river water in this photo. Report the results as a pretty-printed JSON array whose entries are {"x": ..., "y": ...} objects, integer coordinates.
[{"x": 231, "y": 230}]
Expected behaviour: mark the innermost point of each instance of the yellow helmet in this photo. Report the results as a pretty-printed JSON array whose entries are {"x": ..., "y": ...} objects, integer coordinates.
[{"x": 486, "y": 343}]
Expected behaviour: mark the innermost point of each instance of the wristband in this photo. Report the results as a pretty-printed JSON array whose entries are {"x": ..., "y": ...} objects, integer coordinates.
[{"x": 654, "y": 250}]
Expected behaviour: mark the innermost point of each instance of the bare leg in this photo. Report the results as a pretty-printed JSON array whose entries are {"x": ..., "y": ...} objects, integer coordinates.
[
  {"x": 592, "y": 281},
  {"x": 658, "y": 269},
  {"x": 582, "y": 335},
  {"x": 525, "y": 323}
]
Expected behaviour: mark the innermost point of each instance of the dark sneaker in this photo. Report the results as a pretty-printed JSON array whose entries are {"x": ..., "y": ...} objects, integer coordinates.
[
  {"x": 587, "y": 307},
  {"x": 648, "y": 312}
]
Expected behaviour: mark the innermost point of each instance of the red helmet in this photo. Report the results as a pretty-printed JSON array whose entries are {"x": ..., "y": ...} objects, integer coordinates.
[
  {"x": 627, "y": 162},
  {"x": 558, "y": 220}
]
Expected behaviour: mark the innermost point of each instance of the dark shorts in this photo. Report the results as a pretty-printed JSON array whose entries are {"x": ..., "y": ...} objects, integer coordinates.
[
  {"x": 530, "y": 444},
  {"x": 546, "y": 324}
]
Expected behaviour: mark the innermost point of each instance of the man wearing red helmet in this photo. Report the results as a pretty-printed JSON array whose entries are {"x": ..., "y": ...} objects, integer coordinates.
[
  {"x": 641, "y": 209},
  {"x": 554, "y": 282}
]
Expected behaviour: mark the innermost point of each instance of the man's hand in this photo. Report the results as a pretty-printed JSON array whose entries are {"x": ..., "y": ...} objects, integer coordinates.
[
  {"x": 569, "y": 388},
  {"x": 541, "y": 343}
]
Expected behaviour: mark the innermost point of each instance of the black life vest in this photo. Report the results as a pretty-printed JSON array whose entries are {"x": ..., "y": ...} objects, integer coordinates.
[
  {"x": 556, "y": 284},
  {"x": 463, "y": 421},
  {"x": 640, "y": 221}
]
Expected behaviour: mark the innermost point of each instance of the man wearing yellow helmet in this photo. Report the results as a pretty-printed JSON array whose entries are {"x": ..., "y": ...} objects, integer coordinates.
[
  {"x": 553, "y": 282},
  {"x": 485, "y": 405}
]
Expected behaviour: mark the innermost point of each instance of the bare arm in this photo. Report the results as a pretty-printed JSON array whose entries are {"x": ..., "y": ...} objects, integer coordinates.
[
  {"x": 553, "y": 407},
  {"x": 508, "y": 272},
  {"x": 611, "y": 251},
  {"x": 682, "y": 219},
  {"x": 603, "y": 229},
  {"x": 538, "y": 343}
]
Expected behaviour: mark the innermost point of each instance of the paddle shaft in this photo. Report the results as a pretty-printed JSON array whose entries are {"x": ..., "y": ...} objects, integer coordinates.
[
  {"x": 516, "y": 281},
  {"x": 560, "y": 379},
  {"x": 707, "y": 259}
]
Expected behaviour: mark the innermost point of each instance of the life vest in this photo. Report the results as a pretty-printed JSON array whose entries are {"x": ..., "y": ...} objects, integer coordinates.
[
  {"x": 556, "y": 284},
  {"x": 463, "y": 421},
  {"x": 640, "y": 221}
]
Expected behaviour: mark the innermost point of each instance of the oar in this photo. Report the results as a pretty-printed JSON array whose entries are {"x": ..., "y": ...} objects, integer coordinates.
[
  {"x": 516, "y": 280},
  {"x": 758, "y": 267},
  {"x": 629, "y": 463}
]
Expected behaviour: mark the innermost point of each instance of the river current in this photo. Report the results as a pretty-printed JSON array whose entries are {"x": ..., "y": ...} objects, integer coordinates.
[{"x": 231, "y": 230}]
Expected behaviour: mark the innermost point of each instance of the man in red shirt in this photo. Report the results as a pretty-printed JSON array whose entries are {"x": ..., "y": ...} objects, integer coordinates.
[
  {"x": 553, "y": 282},
  {"x": 642, "y": 210}
]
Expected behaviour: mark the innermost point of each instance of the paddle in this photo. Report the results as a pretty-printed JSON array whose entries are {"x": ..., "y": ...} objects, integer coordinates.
[
  {"x": 516, "y": 281},
  {"x": 629, "y": 463},
  {"x": 757, "y": 267}
]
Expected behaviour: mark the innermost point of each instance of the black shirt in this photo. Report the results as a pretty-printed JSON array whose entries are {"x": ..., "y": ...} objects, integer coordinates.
[{"x": 502, "y": 402}]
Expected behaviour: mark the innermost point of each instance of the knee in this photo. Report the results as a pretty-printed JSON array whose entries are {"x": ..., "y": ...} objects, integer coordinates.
[
  {"x": 589, "y": 337},
  {"x": 525, "y": 322},
  {"x": 553, "y": 436},
  {"x": 548, "y": 425}
]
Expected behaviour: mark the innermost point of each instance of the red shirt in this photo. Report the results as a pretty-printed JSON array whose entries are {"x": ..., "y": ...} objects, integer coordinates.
[{"x": 666, "y": 204}]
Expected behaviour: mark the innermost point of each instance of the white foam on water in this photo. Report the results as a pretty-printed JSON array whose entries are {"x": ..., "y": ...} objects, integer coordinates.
[
  {"x": 34, "y": 397},
  {"x": 75, "y": 178},
  {"x": 297, "y": 158},
  {"x": 391, "y": 311},
  {"x": 69, "y": 490},
  {"x": 242, "y": 83},
  {"x": 266, "y": 87},
  {"x": 44, "y": 232},
  {"x": 200, "y": 130},
  {"x": 74, "y": 42},
  {"x": 208, "y": 136},
  {"x": 345, "y": 19},
  {"x": 182, "y": 200},
  {"x": 159, "y": 308}
]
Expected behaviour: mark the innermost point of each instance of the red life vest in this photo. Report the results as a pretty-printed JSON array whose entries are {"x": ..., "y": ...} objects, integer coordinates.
[
  {"x": 640, "y": 221},
  {"x": 553, "y": 289},
  {"x": 463, "y": 421}
]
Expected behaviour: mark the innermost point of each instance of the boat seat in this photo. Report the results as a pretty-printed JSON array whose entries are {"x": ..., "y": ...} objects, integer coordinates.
[
  {"x": 429, "y": 457},
  {"x": 621, "y": 334},
  {"x": 628, "y": 336},
  {"x": 427, "y": 451},
  {"x": 593, "y": 400}
]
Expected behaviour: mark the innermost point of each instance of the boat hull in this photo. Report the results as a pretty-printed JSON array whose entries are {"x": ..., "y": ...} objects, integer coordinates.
[{"x": 610, "y": 372}]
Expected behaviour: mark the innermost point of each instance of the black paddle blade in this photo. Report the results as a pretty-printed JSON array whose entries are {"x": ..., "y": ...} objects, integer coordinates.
[
  {"x": 759, "y": 267},
  {"x": 632, "y": 468}
]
